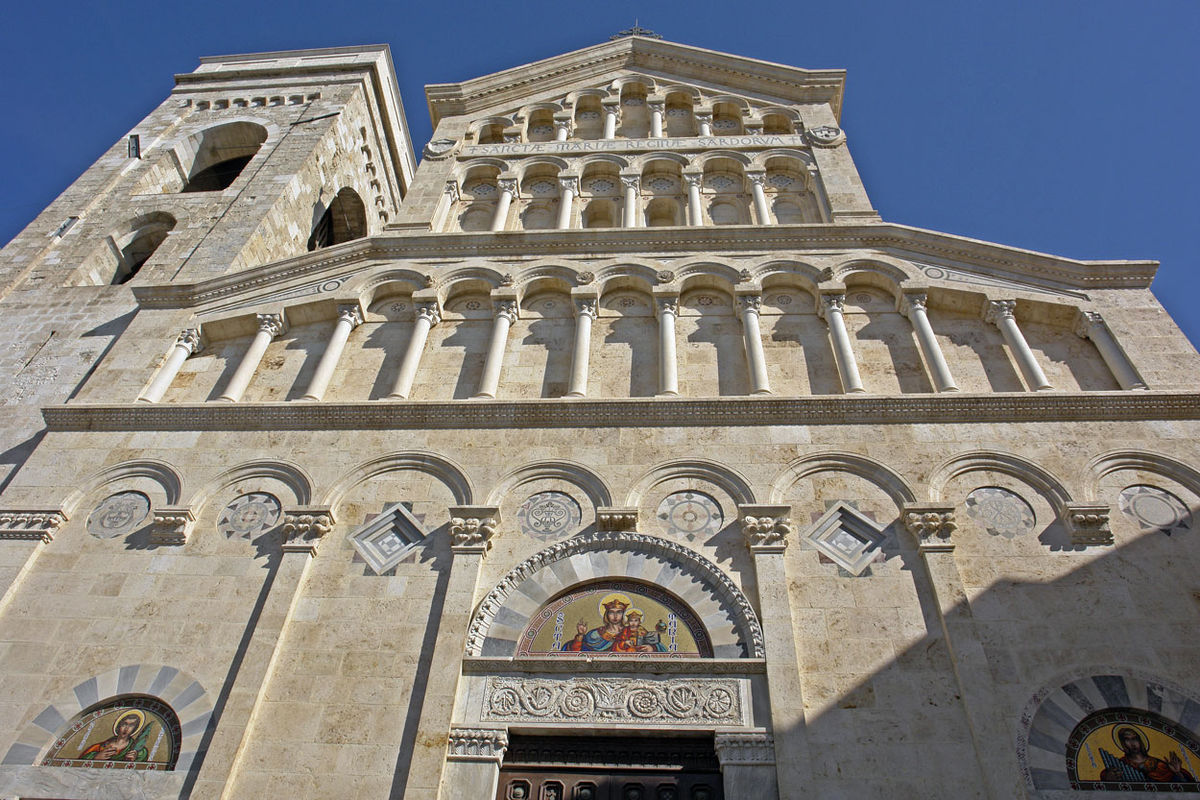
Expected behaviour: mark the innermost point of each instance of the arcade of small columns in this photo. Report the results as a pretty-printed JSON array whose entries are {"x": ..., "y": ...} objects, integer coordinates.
[
  {"x": 634, "y": 108},
  {"x": 650, "y": 192},
  {"x": 505, "y": 305}
]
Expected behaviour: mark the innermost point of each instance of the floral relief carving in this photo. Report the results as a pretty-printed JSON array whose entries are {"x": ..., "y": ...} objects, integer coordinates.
[{"x": 682, "y": 701}]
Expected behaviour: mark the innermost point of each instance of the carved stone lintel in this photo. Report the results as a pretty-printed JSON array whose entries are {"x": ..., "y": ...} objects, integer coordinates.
[
  {"x": 756, "y": 749},
  {"x": 1088, "y": 523},
  {"x": 190, "y": 340},
  {"x": 766, "y": 528},
  {"x": 995, "y": 310},
  {"x": 304, "y": 527},
  {"x": 609, "y": 518},
  {"x": 472, "y": 528},
  {"x": 31, "y": 524},
  {"x": 172, "y": 525},
  {"x": 931, "y": 526},
  {"x": 273, "y": 324},
  {"x": 477, "y": 744}
]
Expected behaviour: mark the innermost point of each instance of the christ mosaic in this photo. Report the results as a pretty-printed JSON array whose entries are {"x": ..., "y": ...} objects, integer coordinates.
[
  {"x": 1124, "y": 749},
  {"x": 133, "y": 733},
  {"x": 619, "y": 618}
]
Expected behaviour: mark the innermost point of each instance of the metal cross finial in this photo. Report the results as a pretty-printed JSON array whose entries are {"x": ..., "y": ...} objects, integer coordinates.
[{"x": 636, "y": 30}]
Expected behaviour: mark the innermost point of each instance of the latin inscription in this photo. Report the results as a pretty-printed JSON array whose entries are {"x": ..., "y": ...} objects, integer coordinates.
[{"x": 619, "y": 145}]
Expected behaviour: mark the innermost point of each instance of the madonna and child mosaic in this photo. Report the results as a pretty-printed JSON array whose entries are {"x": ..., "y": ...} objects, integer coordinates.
[
  {"x": 133, "y": 733},
  {"x": 1121, "y": 749},
  {"x": 619, "y": 618}
]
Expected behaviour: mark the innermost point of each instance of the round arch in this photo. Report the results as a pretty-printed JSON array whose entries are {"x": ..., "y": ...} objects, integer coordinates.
[
  {"x": 727, "y": 479},
  {"x": 1116, "y": 460},
  {"x": 868, "y": 469},
  {"x": 441, "y": 468},
  {"x": 1004, "y": 463},
  {"x": 572, "y": 472},
  {"x": 290, "y": 475},
  {"x": 733, "y": 627},
  {"x": 162, "y": 473}
]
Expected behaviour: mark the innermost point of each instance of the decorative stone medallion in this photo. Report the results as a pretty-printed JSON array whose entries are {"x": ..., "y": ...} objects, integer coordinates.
[
  {"x": 662, "y": 184},
  {"x": 826, "y": 136},
  {"x": 118, "y": 515},
  {"x": 590, "y": 699},
  {"x": 439, "y": 148},
  {"x": 1154, "y": 509},
  {"x": 249, "y": 515},
  {"x": 691, "y": 515},
  {"x": 549, "y": 515},
  {"x": 1000, "y": 512}
]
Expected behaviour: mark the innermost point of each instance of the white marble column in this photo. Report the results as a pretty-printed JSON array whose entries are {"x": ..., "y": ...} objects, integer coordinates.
[
  {"x": 750, "y": 305},
  {"x": 269, "y": 326},
  {"x": 758, "y": 181},
  {"x": 704, "y": 120},
  {"x": 913, "y": 307},
  {"x": 428, "y": 315},
  {"x": 568, "y": 190},
  {"x": 562, "y": 130},
  {"x": 585, "y": 313},
  {"x": 508, "y": 191},
  {"x": 695, "y": 209},
  {"x": 1000, "y": 314},
  {"x": 188, "y": 343},
  {"x": 657, "y": 107},
  {"x": 1091, "y": 325},
  {"x": 668, "y": 368},
  {"x": 831, "y": 308},
  {"x": 612, "y": 116},
  {"x": 505, "y": 314},
  {"x": 349, "y": 318},
  {"x": 633, "y": 187}
]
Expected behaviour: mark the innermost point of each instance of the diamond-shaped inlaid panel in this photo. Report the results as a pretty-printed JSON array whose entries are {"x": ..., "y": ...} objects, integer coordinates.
[
  {"x": 847, "y": 537},
  {"x": 388, "y": 538}
]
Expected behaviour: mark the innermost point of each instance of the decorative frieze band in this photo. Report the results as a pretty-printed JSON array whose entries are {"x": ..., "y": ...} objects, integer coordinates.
[
  {"x": 477, "y": 744},
  {"x": 31, "y": 525},
  {"x": 590, "y": 699}
]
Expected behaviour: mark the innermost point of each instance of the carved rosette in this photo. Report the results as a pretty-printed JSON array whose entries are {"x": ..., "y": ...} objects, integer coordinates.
[
  {"x": 594, "y": 699},
  {"x": 766, "y": 528},
  {"x": 477, "y": 744},
  {"x": 305, "y": 527},
  {"x": 585, "y": 277},
  {"x": 472, "y": 528},
  {"x": 1088, "y": 524},
  {"x": 664, "y": 276},
  {"x": 754, "y": 749},
  {"x": 171, "y": 525},
  {"x": 616, "y": 519},
  {"x": 37, "y": 525},
  {"x": 931, "y": 526}
]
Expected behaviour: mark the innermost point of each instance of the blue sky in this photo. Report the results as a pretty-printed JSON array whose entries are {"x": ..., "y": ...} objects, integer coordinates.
[{"x": 1065, "y": 127}]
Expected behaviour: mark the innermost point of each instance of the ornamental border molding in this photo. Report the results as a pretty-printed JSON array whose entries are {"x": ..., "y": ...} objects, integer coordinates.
[
  {"x": 749, "y": 627},
  {"x": 885, "y": 236},
  {"x": 657, "y": 412},
  {"x": 32, "y": 525},
  {"x": 602, "y": 700}
]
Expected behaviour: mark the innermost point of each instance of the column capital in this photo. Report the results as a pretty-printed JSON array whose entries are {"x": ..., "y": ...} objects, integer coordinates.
[
  {"x": 587, "y": 306},
  {"x": 191, "y": 340},
  {"x": 1087, "y": 523},
  {"x": 766, "y": 528},
  {"x": 913, "y": 300},
  {"x": 273, "y": 324},
  {"x": 611, "y": 518},
  {"x": 703, "y": 116},
  {"x": 694, "y": 179},
  {"x": 430, "y": 312},
  {"x": 931, "y": 525},
  {"x": 505, "y": 307},
  {"x": 508, "y": 186},
  {"x": 666, "y": 303},
  {"x": 477, "y": 744},
  {"x": 31, "y": 524},
  {"x": 171, "y": 525},
  {"x": 472, "y": 528},
  {"x": 748, "y": 749},
  {"x": 750, "y": 302},
  {"x": 564, "y": 124},
  {"x": 831, "y": 300},
  {"x": 657, "y": 105},
  {"x": 304, "y": 527},
  {"x": 569, "y": 183},
  {"x": 996, "y": 310},
  {"x": 632, "y": 182},
  {"x": 350, "y": 313},
  {"x": 757, "y": 177},
  {"x": 1087, "y": 322},
  {"x": 452, "y": 191}
]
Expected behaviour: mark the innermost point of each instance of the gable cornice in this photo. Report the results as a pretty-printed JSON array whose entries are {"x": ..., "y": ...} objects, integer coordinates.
[{"x": 684, "y": 62}]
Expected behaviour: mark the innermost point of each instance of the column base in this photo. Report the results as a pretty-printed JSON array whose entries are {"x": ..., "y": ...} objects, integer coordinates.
[
  {"x": 762, "y": 392},
  {"x": 667, "y": 394},
  {"x": 574, "y": 394},
  {"x": 948, "y": 390},
  {"x": 483, "y": 397},
  {"x": 224, "y": 399},
  {"x": 396, "y": 397},
  {"x": 308, "y": 398}
]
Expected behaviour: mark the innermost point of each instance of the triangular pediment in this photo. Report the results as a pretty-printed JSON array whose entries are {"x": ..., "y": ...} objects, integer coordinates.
[{"x": 666, "y": 63}]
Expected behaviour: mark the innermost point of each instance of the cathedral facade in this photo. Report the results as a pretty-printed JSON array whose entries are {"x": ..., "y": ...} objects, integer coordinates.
[{"x": 618, "y": 451}]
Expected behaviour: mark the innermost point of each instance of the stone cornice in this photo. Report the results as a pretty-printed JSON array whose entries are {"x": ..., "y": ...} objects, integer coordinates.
[
  {"x": 584, "y": 663},
  {"x": 781, "y": 241},
  {"x": 636, "y": 412},
  {"x": 736, "y": 74}
]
